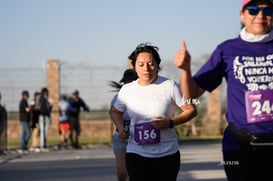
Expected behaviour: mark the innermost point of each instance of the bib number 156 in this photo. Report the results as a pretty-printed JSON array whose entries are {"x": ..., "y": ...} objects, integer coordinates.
[{"x": 146, "y": 133}]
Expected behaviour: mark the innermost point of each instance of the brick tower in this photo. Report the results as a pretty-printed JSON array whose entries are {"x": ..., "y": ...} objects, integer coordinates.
[{"x": 53, "y": 85}]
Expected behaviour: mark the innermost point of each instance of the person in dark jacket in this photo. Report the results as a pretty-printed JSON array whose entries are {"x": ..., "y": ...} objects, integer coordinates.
[
  {"x": 77, "y": 103},
  {"x": 44, "y": 117},
  {"x": 3, "y": 128},
  {"x": 24, "y": 111},
  {"x": 35, "y": 112}
]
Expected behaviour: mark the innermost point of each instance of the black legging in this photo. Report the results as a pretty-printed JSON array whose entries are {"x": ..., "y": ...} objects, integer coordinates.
[
  {"x": 148, "y": 169},
  {"x": 252, "y": 164}
]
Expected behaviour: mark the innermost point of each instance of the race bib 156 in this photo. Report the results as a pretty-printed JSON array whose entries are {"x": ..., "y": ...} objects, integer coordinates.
[{"x": 146, "y": 133}]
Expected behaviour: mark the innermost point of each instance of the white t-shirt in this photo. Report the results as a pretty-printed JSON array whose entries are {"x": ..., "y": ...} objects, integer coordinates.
[
  {"x": 63, "y": 109},
  {"x": 143, "y": 104}
]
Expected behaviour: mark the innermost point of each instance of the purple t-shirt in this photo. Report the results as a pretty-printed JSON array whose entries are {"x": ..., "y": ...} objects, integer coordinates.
[{"x": 248, "y": 70}]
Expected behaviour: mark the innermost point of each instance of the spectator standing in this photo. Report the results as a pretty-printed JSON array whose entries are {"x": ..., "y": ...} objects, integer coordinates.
[
  {"x": 77, "y": 103},
  {"x": 24, "y": 112},
  {"x": 35, "y": 112},
  {"x": 65, "y": 109},
  {"x": 44, "y": 117},
  {"x": 3, "y": 127},
  {"x": 119, "y": 146}
]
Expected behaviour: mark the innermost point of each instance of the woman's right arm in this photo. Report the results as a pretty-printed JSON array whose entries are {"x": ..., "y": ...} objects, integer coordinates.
[
  {"x": 188, "y": 85},
  {"x": 117, "y": 118}
]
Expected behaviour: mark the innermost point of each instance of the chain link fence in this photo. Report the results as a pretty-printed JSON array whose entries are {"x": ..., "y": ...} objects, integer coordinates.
[{"x": 92, "y": 82}]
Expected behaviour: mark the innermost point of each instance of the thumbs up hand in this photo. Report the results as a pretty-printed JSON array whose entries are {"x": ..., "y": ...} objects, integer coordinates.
[{"x": 182, "y": 57}]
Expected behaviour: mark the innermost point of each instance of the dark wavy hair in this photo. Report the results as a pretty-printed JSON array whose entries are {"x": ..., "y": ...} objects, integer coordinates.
[
  {"x": 117, "y": 86},
  {"x": 148, "y": 48},
  {"x": 128, "y": 76}
]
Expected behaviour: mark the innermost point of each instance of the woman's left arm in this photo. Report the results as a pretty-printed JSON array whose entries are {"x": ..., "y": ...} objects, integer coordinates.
[{"x": 188, "y": 112}]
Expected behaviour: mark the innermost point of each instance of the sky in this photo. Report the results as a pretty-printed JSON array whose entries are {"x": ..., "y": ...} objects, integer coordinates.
[{"x": 105, "y": 32}]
